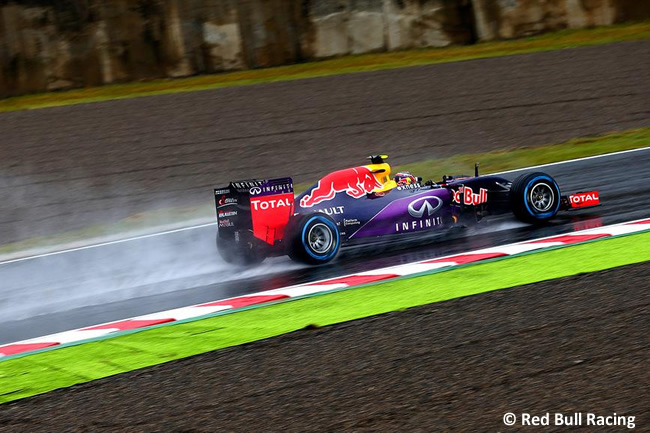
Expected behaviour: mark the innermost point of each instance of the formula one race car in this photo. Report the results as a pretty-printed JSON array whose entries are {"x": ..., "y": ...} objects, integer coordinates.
[{"x": 261, "y": 218}]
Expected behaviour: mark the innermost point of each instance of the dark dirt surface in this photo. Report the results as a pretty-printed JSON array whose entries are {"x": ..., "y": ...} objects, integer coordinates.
[
  {"x": 578, "y": 344},
  {"x": 66, "y": 168}
]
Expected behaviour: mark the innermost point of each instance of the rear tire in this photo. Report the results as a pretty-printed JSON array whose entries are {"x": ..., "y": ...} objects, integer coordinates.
[
  {"x": 313, "y": 239},
  {"x": 242, "y": 253},
  {"x": 535, "y": 198}
]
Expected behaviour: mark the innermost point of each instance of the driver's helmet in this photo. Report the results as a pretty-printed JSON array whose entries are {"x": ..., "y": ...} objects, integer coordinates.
[{"x": 405, "y": 178}]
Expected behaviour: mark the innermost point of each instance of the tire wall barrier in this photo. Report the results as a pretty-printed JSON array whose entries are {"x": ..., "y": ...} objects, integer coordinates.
[{"x": 63, "y": 44}]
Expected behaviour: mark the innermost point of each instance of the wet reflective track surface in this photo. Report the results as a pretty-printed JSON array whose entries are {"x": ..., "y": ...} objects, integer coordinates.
[{"x": 61, "y": 292}]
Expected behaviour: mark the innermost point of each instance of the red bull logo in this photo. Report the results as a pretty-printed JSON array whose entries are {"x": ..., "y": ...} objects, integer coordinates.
[
  {"x": 469, "y": 197},
  {"x": 355, "y": 182}
]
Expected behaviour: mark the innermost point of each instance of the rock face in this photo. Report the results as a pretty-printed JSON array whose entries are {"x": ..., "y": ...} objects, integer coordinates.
[
  {"x": 61, "y": 44},
  {"x": 520, "y": 18},
  {"x": 362, "y": 26}
]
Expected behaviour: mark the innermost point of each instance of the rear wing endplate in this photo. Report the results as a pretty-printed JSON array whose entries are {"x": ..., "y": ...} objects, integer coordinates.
[{"x": 262, "y": 207}]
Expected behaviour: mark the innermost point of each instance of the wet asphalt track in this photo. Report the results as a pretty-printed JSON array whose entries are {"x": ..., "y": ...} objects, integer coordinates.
[{"x": 46, "y": 295}]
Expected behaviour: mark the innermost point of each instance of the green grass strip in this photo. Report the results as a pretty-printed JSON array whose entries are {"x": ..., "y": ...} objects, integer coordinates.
[
  {"x": 337, "y": 66},
  {"x": 38, "y": 373}
]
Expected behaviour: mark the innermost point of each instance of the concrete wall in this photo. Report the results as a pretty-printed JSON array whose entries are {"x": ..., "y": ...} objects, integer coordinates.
[
  {"x": 520, "y": 18},
  {"x": 61, "y": 44},
  {"x": 504, "y": 19},
  {"x": 361, "y": 26},
  {"x": 55, "y": 44}
]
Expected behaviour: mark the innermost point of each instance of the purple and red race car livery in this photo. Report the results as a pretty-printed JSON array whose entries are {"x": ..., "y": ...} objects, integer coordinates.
[{"x": 261, "y": 218}]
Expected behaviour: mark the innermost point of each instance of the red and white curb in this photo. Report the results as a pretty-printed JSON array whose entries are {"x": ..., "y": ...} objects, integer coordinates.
[{"x": 194, "y": 311}]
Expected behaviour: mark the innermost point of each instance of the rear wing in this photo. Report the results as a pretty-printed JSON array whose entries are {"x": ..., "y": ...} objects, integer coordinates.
[{"x": 260, "y": 207}]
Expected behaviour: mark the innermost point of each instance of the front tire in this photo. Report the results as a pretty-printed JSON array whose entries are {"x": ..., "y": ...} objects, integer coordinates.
[
  {"x": 535, "y": 198},
  {"x": 313, "y": 239}
]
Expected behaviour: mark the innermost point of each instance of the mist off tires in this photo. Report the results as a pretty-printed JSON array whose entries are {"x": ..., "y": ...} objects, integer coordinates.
[
  {"x": 535, "y": 198},
  {"x": 313, "y": 239},
  {"x": 239, "y": 253}
]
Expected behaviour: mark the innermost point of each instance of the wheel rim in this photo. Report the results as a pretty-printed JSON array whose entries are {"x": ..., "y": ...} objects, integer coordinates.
[
  {"x": 542, "y": 197},
  {"x": 320, "y": 238}
]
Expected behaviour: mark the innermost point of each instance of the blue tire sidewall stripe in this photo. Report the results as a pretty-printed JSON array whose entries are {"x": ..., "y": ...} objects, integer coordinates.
[
  {"x": 557, "y": 199},
  {"x": 334, "y": 229}
]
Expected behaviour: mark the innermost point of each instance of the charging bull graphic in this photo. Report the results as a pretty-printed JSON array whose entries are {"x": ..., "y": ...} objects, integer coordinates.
[{"x": 355, "y": 182}]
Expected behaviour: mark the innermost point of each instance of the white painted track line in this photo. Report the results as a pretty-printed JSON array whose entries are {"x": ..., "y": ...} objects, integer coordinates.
[
  {"x": 377, "y": 275},
  {"x": 105, "y": 244}
]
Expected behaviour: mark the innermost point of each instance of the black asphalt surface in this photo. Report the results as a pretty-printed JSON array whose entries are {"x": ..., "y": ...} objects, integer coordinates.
[
  {"x": 103, "y": 284},
  {"x": 578, "y": 344},
  {"x": 68, "y": 168}
]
